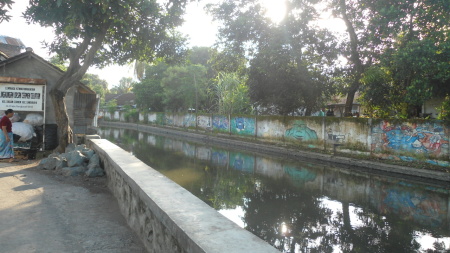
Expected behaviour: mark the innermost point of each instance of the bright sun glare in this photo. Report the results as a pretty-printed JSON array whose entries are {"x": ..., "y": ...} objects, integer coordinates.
[{"x": 275, "y": 9}]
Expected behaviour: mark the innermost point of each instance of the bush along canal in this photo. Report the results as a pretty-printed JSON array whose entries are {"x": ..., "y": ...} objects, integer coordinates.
[{"x": 301, "y": 206}]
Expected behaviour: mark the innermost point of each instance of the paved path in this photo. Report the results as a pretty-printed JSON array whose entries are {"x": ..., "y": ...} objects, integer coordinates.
[{"x": 41, "y": 211}]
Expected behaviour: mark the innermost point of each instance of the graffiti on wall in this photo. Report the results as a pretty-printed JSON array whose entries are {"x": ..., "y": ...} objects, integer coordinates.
[
  {"x": 301, "y": 132},
  {"x": 243, "y": 126},
  {"x": 152, "y": 117},
  {"x": 204, "y": 122},
  {"x": 427, "y": 138},
  {"x": 189, "y": 120},
  {"x": 221, "y": 123},
  {"x": 169, "y": 120},
  {"x": 336, "y": 136}
]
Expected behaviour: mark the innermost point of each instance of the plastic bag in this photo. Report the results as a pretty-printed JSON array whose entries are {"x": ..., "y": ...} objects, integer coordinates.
[
  {"x": 34, "y": 119},
  {"x": 25, "y": 131}
]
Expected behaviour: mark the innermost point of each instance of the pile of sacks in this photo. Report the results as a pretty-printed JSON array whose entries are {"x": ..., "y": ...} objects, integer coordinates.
[
  {"x": 25, "y": 129},
  {"x": 77, "y": 160}
]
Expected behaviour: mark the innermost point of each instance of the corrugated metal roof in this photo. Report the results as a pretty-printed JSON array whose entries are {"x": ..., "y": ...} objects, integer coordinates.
[{"x": 11, "y": 41}]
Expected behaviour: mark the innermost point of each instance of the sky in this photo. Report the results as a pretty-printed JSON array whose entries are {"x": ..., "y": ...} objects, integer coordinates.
[{"x": 198, "y": 26}]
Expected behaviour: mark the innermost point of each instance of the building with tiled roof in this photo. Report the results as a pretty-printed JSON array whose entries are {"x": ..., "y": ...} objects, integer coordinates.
[{"x": 10, "y": 47}]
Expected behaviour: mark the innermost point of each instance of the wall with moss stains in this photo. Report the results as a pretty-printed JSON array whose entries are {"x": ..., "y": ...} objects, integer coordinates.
[{"x": 407, "y": 140}]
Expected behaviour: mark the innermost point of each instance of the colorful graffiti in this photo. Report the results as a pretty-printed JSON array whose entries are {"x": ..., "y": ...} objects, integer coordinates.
[
  {"x": 204, "y": 121},
  {"x": 243, "y": 126},
  {"x": 189, "y": 120},
  {"x": 427, "y": 138},
  {"x": 221, "y": 123},
  {"x": 301, "y": 132}
]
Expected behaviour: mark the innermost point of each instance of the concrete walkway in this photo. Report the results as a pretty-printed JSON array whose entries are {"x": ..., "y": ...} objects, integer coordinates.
[{"x": 41, "y": 211}]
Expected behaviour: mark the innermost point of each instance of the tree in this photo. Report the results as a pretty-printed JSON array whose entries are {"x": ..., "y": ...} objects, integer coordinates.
[
  {"x": 112, "y": 106},
  {"x": 4, "y": 4},
  {"x": 288, "y": 61},
  {"x": 148, "y": 91},
  {"x": 231, "y": 94},
  {"x": 185, "y": 87},
  {"x": 355, "y": 16},
  {"x": 406, "y": 38},
  {"x": 93, "y": 81},
  {"x": 125, "y": 86},
  {"x": 58, "y": 62},
  {"x": 199, "y": 55},
  {"x": 417, "y": 59},
  {"x": 202, "y": 56},
  {"x": 229, "y": 61},
  {"x": 149, "y": 95},
  {"x": 97, "y": 84},
  {"x": 102, "y": 32}
]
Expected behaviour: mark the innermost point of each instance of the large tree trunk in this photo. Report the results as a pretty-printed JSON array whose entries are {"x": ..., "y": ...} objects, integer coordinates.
[
  {"x": 349, "y": 102},
  {"x": 62, "y": 120},
  {"x": 354, "y": 58},
  {"x": 85, "y": 53}
]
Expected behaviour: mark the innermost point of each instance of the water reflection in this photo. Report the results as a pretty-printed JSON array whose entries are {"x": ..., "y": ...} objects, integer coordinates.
[{"x": 301, "y": 207}]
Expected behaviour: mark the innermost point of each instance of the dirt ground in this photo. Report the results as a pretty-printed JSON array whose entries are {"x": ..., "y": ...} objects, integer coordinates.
[{"x": 43, "y": 211}]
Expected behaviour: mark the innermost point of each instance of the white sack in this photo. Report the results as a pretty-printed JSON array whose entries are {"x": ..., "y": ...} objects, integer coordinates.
[
  {"x": 25, "y": 131},
  {"x": 34, "y": 119}
]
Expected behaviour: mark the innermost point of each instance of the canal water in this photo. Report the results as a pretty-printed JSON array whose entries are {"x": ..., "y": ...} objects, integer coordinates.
[{"x": 301, "y": 206}]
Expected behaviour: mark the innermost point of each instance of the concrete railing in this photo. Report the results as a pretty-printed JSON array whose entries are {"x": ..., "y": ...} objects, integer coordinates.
[{"x": 164, "y": 215}]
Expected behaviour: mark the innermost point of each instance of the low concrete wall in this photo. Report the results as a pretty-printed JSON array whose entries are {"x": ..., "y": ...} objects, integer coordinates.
[
  {"x": 165, "y": 216},
  {"x": 407, "y": 140}
]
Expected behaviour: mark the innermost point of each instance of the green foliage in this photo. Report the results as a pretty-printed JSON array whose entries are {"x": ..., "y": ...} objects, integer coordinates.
[
  {"x": 131, "y": 115},
  {"x": 149, "y": 91},
  {"x": 228, "y": 61},
  {"x": 378, "y": 97},
  {"x": 185, "y": 87},
  {"x": 58, "y": 62},
  {"x": 112, "y": 106},
  {"x": 125, "y": 86},
  {"x": 202, "y": 56},
  {"x": 288, "y": 61},
  {"x": 4, "y": 5},
  {"x": 444, "y": 109},
  {"x": 199, "y": 56},
  {"x": 97, "y": 84},
  {"x": 103, "y": 31},
  {"x": 149, "y": 95},
  {"x": 231, "y": 94}
]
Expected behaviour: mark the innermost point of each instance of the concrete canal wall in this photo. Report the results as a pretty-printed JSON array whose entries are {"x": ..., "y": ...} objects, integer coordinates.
[
  {"x": 165, "y": 216},
  {"x": 407, "y": 140}
]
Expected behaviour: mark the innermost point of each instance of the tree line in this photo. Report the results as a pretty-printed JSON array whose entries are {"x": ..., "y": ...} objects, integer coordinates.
[{"x": 394, "y": 53}]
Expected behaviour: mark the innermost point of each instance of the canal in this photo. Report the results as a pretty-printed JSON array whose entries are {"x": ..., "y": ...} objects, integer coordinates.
[{"x": 301, "y": 206}]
